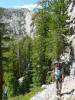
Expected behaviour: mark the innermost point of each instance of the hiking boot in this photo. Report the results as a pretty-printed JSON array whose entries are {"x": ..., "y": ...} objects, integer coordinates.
[{"x": 57, "y": 92}]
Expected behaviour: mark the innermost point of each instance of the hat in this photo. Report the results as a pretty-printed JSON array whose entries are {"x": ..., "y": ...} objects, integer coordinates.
[{"x": 56, "y": 62}]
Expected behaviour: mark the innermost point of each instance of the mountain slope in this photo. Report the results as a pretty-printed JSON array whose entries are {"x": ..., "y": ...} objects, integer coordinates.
[{"x": 18, "y": 21}]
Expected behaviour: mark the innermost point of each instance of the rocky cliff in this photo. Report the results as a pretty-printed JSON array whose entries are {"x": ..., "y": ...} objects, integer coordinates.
[{"x": 19, "y": 21}]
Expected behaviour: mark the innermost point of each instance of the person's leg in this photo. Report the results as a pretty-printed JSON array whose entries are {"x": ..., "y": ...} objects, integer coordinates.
[
  {"x": 60, "y": 87},
  {"x": 57, "y": 87}
]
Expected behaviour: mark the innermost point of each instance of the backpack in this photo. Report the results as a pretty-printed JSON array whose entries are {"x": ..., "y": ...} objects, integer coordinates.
[{"x": 58, "y": 71}]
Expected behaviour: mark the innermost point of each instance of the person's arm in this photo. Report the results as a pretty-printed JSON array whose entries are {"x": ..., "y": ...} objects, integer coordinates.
[{"x": 62, "y": 74}]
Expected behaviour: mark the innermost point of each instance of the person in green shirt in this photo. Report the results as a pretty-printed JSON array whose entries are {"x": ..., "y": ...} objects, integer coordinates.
[{"x": 59, "y": 76}]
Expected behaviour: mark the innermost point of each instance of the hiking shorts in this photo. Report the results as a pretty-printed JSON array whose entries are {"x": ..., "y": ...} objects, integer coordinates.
[{"x": 58, "y": 78}]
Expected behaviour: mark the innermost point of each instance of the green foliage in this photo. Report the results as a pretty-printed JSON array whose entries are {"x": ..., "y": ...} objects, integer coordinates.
[
  {"x": 11, "y": 71},
  {"x": 48, "y": 78},
  {"x": 49, "y": 42},
  {"x": 58, "y": 27},
  {"x": 32, "y": 58},
  {"x": 39, "y": 60},
  {"x": 28, "y": 96},
  {"x": 19, "y": 65},
  {"x": 3, "y": 49}
]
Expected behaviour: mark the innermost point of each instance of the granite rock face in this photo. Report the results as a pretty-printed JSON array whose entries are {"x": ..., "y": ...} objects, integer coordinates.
[{"x": 19, "y": 21}]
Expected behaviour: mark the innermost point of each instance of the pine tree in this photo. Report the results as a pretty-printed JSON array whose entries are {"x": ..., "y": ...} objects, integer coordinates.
[
  {"x": 49, "y": 44},
  {"x": 14, "y": 72},
  {"x": 40, "y": 61},
  {"x": 58, "y": 27},
  {"x": 3, "y": 48},
  {"x": 26, "y": 63}
]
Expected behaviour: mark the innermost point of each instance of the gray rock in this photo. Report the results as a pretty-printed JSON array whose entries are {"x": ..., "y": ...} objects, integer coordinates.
[{"x": 19, "y": 21}]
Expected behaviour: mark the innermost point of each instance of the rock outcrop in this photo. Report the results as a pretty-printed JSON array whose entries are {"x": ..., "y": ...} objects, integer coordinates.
[{"x": 19, "y": 21}]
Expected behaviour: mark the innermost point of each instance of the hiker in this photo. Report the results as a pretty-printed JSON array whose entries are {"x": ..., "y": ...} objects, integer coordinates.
[{"x": 58, "y": 71}]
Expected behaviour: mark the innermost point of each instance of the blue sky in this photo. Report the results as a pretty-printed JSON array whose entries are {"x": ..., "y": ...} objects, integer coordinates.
[{"x": 17, "y": 3}]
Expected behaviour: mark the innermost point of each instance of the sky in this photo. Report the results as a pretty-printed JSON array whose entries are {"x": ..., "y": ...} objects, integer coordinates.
[{"x": 18, "y": 3}]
